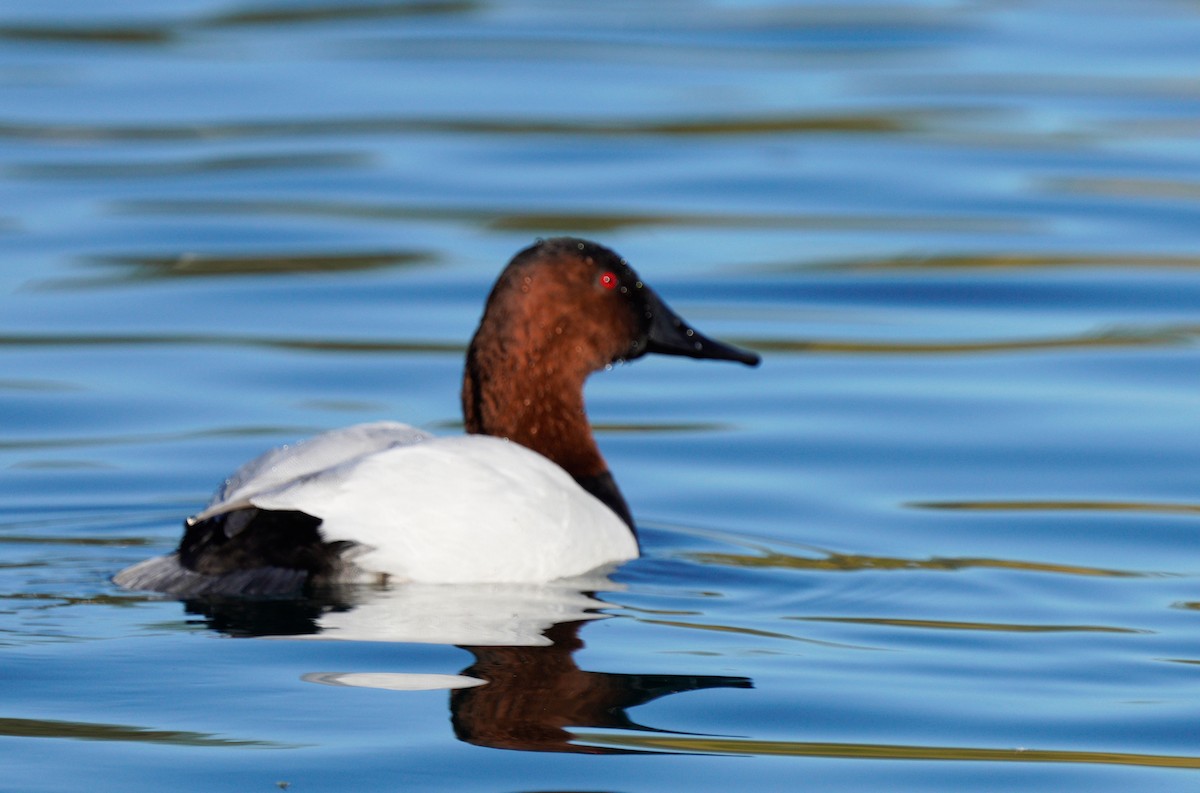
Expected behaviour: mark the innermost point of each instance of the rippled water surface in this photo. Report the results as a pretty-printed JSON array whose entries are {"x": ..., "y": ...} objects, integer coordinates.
[{"x": 943, "y": 539}]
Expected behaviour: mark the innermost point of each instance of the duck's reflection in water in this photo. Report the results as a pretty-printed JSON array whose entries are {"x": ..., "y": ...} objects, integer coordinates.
[
  {"x": 534, "y": 695},
  {"x": 524, "y": 689}
]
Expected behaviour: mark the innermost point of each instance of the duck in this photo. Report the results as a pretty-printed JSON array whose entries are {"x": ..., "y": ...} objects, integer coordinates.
[{"x": 523, "y": 497}]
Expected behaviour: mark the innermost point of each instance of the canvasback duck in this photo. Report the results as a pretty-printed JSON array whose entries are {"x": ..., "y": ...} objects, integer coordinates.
[{"x": 523, "y": 497}]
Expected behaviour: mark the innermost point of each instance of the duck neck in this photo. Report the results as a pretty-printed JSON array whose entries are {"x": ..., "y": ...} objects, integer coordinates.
[
  {"x": 535, "y": 404},
  {"x": 540, "y": 406}
]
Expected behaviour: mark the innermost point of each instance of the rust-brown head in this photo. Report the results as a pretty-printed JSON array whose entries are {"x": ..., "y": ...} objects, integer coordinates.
[{"x": 562, "y": 309}]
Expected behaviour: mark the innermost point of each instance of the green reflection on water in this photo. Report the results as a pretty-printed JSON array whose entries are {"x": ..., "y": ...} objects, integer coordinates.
[
  {"x": 1159, "y": 189},
  {"x": 200, "y": 264},
  {"x": 1000, "y": 261},
  {"x": 91, "y": 731},
  {"x": 739, "y": 746},
  {"x": 84, "y": 35},
  {"x": 725, "y": 126},
  {"x": 743, "y": 631},
  {"x": 47, "y": 600},
  {"x": 1112, "y": 338},
  {"x": 216, "y": 340},
  {"x": 546, "y": 221},
  {"x": 49, "y": 386},
  {"x": 115, "y": 542},
  {"x": 158, "y": 34},
  {"x": 955, "y": 625},
  {"x": 852, "y": 563},
  {"x": 175, "y": 168},
  {"x": 1149, "y": 507},
  {"x": 332, "y": 12}
]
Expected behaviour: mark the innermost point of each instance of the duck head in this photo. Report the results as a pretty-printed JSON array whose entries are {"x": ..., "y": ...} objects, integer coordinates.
[{"x": 562, "y": 309}]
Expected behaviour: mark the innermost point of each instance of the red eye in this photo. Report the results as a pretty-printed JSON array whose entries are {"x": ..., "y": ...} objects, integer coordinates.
[{"x": 609, "y": 280}]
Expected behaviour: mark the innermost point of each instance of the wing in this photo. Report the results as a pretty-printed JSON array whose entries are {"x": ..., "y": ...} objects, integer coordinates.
[
  {"x": 462, "y": 509},
  {"x": 287, "y": 465}
]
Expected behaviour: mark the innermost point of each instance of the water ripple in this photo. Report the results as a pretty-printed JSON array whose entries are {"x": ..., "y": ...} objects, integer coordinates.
[
  {"x": 1002, "y": 261},
  {"x": 93, "y": 731},
  {"x": 958, "y": 625},
  {"x": 1167, "y": 336},
  {"x": 181, "y": 168},
  {"x": 1144, "y": 507},
  {"x": 187, "y": 265},
  {"x": 853, "y": 563},
  {"x": 147, "y": 33},
  {"x": 878, "y": 123},
  {"x": 541, "y": 221},
  {"x": 866, "y": 751}
]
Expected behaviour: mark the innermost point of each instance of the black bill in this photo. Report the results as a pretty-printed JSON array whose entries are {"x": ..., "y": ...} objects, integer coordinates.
[{"x": 668, "y": 334}]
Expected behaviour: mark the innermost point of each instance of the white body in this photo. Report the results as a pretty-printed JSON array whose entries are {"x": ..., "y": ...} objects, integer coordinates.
[{"x": 467, "y": 509}]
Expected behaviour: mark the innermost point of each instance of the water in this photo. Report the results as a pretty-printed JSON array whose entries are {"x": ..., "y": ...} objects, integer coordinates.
[{"x": 943, "y": 539}]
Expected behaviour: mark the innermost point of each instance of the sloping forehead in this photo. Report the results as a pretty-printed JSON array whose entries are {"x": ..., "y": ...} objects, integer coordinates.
[
  {"x": 569, "y": 250},
  {"x": 570, "y": 247}
]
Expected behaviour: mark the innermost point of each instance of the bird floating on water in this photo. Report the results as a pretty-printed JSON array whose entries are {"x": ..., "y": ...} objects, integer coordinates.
[{"x": 525, "y": 496}]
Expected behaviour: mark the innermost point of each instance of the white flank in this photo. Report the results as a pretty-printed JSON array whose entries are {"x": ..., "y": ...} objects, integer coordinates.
[{"x": 442, "y": 510}]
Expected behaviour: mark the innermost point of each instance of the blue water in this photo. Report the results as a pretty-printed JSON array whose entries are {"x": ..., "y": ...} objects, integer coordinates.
[{"x": 943, "y": 539}]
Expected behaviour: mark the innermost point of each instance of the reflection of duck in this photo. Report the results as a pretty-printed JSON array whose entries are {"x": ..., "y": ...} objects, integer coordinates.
[
  {"x": 526, "y": 696},
  {"x": 385, "y": 501},
  {"x": 416, "y": 613},
  {"x": 533, "y": 695}
]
